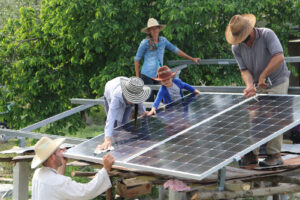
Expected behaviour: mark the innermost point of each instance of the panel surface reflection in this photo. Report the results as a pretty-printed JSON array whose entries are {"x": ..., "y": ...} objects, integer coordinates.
[
  {"x": 176, "y": 117},
  {"x": 227, "y": 135},
  {"x": 210, "y": 145}
]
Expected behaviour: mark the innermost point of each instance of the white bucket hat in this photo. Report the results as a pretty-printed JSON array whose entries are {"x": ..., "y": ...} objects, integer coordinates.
[
  {"x": 44, "y": 148},
  {"x": 134, "y": 90},
  {"x": 151, "y": 23}
]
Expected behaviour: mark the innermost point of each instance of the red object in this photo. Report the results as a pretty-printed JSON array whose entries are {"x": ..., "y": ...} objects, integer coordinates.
[{"x": 164, "y": 73}]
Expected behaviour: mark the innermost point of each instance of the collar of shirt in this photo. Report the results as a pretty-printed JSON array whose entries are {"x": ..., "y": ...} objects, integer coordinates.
[
  {"x": 257, "y": 36},
  {"x": 51, "y": 169},
  {"x": 126, "y": 102}
]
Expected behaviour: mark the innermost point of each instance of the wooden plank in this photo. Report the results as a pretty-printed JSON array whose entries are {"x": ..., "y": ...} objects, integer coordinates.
[
  {"x": 26, "y": 158},
  {"x": 244, "y": 194},
  {"x": 8, "y": 159}
]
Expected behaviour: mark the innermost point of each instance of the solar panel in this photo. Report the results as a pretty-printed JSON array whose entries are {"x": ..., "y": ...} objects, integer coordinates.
[{"x": 195, "y": 137}]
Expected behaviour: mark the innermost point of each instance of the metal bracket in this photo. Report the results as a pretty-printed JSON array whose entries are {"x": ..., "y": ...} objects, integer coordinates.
[
  {"x": 178, "y": 69},
  {"x": 221, "y": 179}
]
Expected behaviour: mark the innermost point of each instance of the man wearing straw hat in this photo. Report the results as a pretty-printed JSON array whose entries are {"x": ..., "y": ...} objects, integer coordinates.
[
  {"x": 260, "y": 57},
  {"x": 50, "y": 184},
  {"x": 120, "y": 95}
]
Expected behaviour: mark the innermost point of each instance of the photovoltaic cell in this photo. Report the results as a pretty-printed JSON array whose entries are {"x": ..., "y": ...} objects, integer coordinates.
[
  {"x": 196, "y": 137},
  {"x": 176, "y": 117}
]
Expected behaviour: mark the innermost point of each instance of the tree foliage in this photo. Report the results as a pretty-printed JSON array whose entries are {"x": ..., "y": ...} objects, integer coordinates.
[
  {"x": 71, "y": 48},
  {"x": 10, "y": 8}
]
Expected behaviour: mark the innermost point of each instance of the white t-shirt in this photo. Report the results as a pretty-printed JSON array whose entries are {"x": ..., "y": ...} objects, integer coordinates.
[{"x": 48, "y": 184}]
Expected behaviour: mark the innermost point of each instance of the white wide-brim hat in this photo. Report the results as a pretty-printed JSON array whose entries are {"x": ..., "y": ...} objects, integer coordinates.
[
  {"x": 134, "y": 90},
  {"x": 239, "y": 27},
  {"x": 44, "y": 148},
  {"x": 152, "y": 23}
]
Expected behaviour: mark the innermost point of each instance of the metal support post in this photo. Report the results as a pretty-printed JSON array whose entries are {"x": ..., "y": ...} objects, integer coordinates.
[
  {"x": 178, "y": 69},
  {"x": 22, "y": 142},
  {"x": 221, "y": 179},
  {"x": 21, "y": 173}
]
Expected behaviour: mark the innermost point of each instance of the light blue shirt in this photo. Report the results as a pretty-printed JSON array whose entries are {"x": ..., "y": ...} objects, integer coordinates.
[
  {"x": 118, "y": 109},
  {"x": 153, "y": 59}
]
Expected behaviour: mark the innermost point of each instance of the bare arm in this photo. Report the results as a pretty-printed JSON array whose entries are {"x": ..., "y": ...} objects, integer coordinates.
[
  {"x": 184, "y": 55},
  {"x": 137, "y": 68},
  {"x": 248, "y": 79},
  {"x": 62, "y": 169},
  {"x": 273, "y": 65}
]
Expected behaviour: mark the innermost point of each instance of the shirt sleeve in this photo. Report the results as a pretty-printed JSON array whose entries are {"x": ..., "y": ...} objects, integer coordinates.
[
  {"x": 111, "y": 116},
  {"x": 82, "y": 191},
  {"x": 273, "y": 43},
  {"x": 170, "y": 46},
  {"x": 159, "y": 97},
  {"x": 141, "y": 50},
  {"x": 186, "y": 86},
  {"x": 238, "y": 58},
  {"x": 142, "y": 108}
]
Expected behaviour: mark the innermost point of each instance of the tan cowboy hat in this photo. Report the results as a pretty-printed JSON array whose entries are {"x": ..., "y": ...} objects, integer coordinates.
[
  {"x": 44, "y": 148},
  {"x": 239, "y": 27},
  {"x": 164, "y": 73},
  {"x": 134, "y": 90},
  {"x": 151, "y": 23}
]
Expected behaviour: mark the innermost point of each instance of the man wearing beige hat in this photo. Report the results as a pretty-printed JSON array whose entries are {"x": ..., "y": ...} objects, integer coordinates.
[
  {"x": 260, "y": 57},
  {"x": 50, "y": 184}
]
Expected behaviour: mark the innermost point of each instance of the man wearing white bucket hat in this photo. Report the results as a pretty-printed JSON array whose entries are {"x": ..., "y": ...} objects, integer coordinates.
[
  {"x": 152, "y": 49},
  {"x": 260, "y": 58},
  {"x": 120, "y": 94},
  {"x": 50, "y": 184}
]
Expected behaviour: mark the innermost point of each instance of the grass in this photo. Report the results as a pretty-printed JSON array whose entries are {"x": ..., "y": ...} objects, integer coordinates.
[{"x": 88, "y": 132}]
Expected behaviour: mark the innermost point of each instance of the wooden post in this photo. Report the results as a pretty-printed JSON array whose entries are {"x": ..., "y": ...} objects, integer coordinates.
[
  {"x": 275, "y": 196},
  {"x": 162, "y": 193},
  {"x": 109, "y": 192},
  {"x": 175, "y": 195},
  {"x": 245, "y": 194},
  {"x": 21, "y": 172}
]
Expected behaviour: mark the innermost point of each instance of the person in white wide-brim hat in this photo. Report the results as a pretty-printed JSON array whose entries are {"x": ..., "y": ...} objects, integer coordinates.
[
  {"x": 120, "y": 95},
  {"x": 152, "y": 50},
  {"x": 260, "y": 57},
  {"x": 49, "y": 182}
]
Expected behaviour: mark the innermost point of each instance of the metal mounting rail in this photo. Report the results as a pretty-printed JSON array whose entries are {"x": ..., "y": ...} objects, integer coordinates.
[
  {"x": 293, "y": 59},
  {"x": 9, "y": 133}
]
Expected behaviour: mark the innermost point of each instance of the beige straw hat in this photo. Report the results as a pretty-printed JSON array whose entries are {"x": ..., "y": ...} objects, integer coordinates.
[
  {"x": 134, "y": 90},
  {"x": 239, "y": 27},
  {"x": 151, "y": 23},
  {"x": 43, "y": 150}
]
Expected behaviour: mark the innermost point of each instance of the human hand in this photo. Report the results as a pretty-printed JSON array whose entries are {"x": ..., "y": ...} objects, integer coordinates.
[
  {"x": 262, "y": 83},
  {"x": 196, "y": 91},
  {"x": 249, "y": 92},
  {"x": 108, "y": 161},
  {"x": 64, "y": 160},
  {"x": 105, "y": 145},
  {"x": 151, "y": 112},
  {"x": 196, "y": 60}
]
